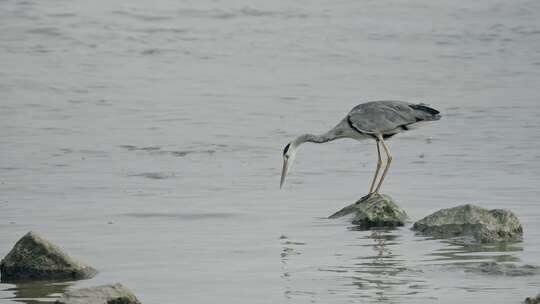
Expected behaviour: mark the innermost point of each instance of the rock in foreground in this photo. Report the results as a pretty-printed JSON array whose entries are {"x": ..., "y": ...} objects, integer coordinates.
[
  {"x": 534, "y": 300},
  {"x": 470, "y": 221},
  {"x": 35, "y": 258},
  {"x": 374, "y": 210},
  {"x": 105, "y": 294}
]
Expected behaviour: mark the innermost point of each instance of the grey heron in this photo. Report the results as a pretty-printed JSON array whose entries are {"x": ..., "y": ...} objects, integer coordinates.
[{"x": 377, "y": 120}]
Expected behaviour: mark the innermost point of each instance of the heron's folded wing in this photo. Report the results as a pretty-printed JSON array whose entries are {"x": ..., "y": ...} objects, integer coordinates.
[{"x": 381, "y": 117}]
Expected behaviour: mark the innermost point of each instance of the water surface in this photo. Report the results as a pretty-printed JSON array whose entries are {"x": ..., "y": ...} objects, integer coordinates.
[{"x": 146, "y": 137}]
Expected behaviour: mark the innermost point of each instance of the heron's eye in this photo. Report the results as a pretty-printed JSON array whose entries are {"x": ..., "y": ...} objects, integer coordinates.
[{"x": 286, "y": 149}]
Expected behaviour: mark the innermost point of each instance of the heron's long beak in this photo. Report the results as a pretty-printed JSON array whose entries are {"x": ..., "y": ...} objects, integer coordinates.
[{"x": 284, "y": 172}]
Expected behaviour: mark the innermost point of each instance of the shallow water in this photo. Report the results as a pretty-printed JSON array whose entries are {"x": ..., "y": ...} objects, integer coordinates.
[{"x": 145, "y": 138}]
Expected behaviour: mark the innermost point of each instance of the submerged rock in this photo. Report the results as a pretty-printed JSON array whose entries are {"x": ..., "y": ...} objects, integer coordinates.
[
  {"x": 374, "y": 210},
  {"x": 105, "y": 294},
  {"x": 470, "y": 221},
  {"x": 35, "y": 258},
  {"x": 534, "y": 300},
  {"x": 504, "y": 269}
]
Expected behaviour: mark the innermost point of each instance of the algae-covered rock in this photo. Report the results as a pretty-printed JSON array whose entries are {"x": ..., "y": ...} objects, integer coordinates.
[
  {"x": 374, "y": 210},
  {"x": 470, "y": 221},
  {"x": 105, "y": 294},
  {"x": 502, "y": 269},
  {"x": 533, "y": 300},
  {"x": 35, "y": 258}
]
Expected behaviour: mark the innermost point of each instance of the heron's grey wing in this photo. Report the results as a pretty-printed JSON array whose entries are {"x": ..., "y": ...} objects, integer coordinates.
[{"x": 379, "y": 117}]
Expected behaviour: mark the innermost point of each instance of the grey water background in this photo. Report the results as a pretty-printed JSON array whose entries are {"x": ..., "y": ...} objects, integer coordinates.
[{"x": 145, "y": 138}]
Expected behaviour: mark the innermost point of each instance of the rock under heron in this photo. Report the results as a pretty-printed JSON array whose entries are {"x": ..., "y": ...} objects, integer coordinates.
[{"x": 374, "y": 210}]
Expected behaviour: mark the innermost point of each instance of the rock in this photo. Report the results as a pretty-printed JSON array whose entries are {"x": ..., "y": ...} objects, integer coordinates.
[
  {"x": 471, "y": 222},
  {"x": 34, "y": 258},
  {"x": 105, "y": 294},
  {"x": 535, "y": 300},
  {"x": 504, "y": 269},
  {"x": 374, "y": 210}
]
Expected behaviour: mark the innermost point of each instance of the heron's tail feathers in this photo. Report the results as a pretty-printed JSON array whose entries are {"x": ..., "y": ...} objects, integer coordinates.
[{"x": 425, "y": 113}]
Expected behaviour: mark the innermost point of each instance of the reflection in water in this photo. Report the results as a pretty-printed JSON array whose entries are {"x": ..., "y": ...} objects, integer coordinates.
[
  {"x": 38, "y": 292},
  {"x": 485, "y": 259},
  {"x": 460, "y": 253},
  {"x": 288, "y": 250},
  {"x": 379, "y": 275},
  {"x": 383, "y": 272},
  {"x": 380, "y": 266}
]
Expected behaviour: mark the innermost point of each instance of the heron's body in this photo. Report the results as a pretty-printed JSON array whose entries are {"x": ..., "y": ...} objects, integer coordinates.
[{"x": 378, "y": 120}]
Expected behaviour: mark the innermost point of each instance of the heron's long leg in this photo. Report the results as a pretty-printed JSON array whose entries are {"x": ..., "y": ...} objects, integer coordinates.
[
  {"x": 379, "y": 164},
  {"x": 388, "y": 162}
]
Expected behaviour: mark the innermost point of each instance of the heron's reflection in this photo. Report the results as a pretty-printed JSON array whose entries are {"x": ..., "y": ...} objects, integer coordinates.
[
  {"x": 376, "y": 274},
  {"x": 383, "y": 273},
  {"x": 384, "y": 265}
]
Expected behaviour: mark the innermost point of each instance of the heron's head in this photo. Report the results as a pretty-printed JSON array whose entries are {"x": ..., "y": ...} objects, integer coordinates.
[{"x": 289, "y": 152}]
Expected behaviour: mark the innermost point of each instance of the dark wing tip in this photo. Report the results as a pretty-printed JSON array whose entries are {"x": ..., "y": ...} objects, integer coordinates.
[{"x": 425, "y": 108}]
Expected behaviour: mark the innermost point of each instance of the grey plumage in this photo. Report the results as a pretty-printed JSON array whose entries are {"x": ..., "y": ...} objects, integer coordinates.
[
  {"x": 376, "y": 119},
  {"x": 388, "y": 117}
]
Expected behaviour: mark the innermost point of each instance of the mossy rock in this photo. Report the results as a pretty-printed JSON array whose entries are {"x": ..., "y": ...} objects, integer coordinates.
[
  {"x": 105, "y": 294},
  {"x": 374, "y": 210},
  {"x": 532, "y": 300},
  {"x": 35, "y": 258},
  {"x": 472, "y": 222}
]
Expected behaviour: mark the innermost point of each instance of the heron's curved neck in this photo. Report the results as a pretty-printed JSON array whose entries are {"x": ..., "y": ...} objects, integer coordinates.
[{"x": 319, "y": 139}]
